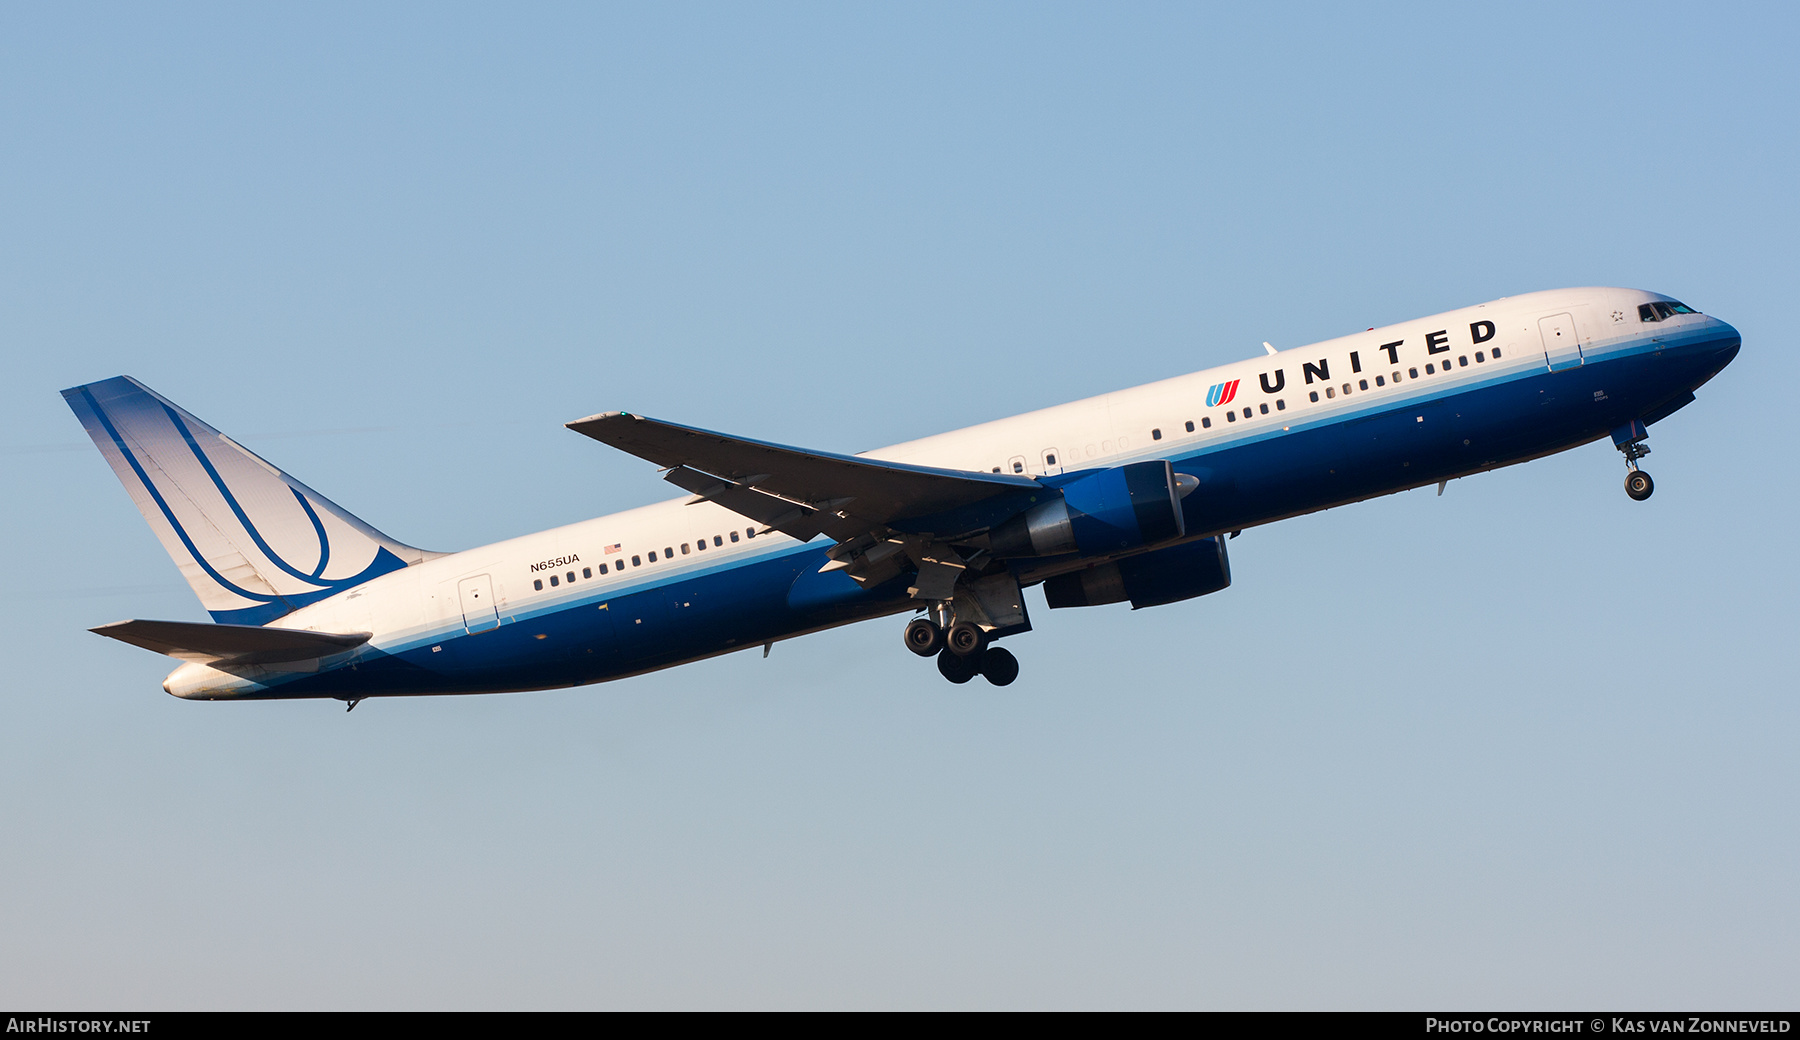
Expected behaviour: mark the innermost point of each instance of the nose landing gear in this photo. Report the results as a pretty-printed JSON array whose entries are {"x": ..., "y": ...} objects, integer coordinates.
[{"x": 1629, "y": 439}]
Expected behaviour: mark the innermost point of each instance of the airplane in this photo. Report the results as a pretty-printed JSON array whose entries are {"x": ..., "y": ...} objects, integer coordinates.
[{"x": 1129, "y": 496}]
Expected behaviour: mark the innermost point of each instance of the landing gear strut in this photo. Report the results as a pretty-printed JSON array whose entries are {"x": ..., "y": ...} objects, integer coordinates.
[{"x": 1629, "y": 439}]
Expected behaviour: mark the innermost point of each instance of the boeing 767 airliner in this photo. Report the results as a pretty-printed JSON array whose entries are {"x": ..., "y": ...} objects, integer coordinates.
[{"x": 1125, "y": 497}]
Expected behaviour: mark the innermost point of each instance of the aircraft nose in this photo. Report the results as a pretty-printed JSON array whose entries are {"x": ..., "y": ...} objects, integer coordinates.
[
  {"x": 1721, "y": 348},
  {"x": 1726, "y": 345}
]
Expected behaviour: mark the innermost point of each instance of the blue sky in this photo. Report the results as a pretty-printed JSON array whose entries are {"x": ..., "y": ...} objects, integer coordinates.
[{"x": 1528, "y": 744}]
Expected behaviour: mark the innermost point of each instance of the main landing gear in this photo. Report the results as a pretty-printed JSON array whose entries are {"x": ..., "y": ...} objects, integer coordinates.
[
  {"x": 962, "y": 652},
  {"x": 1629, "y": 439}
]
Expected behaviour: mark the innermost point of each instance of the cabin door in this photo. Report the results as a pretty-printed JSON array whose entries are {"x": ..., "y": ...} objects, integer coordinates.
[
  {"x": 480, "y": 613},
  {"x": 1562, "y": 349}
]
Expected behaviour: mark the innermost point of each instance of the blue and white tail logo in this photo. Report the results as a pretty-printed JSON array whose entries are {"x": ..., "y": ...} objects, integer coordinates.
[
  {"x": 254, "y": 543},
  {"x": 1221, "y": 393}
]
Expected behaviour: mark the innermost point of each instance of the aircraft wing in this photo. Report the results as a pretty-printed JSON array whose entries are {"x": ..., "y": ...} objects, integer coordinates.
[
  {"x": 840, "y": 495},
  {"x": 239, "y": 644}
]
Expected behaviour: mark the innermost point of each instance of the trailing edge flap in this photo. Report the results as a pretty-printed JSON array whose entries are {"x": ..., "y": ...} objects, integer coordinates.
[
  {"x": 866, "y": 491},
  {"x": 239, "y": 644}
]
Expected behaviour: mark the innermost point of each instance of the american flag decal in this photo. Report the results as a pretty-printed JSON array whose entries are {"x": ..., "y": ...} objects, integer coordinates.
[{"x": 613, "y": 548}]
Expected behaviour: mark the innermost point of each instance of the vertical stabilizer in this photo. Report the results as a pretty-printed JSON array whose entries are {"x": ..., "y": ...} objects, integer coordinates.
[{"x": 254, "y": 543}]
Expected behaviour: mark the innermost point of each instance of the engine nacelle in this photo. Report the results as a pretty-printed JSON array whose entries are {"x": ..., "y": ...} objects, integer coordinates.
[
  {"x": 1105, "y": 512},
  {"x": 1147, "y": 580}
]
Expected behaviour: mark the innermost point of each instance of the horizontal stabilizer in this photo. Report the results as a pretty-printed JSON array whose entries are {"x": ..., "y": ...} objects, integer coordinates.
[{"x": 239, "y": 644}]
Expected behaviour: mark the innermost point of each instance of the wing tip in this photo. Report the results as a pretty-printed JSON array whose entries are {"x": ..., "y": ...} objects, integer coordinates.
[
  {"x": 599, "y": 417},
  {"x": 602, "y": 416}
]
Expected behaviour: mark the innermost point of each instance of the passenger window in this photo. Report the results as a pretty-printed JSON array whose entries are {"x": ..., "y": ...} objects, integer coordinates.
[
  {"x": 1205, "y": 421},
  {"x": 1156, "y": 435},
  {"x": 587, "y": 572},
  {"x": 1050, "y": 458},
  {"x": 1496, "y": 353},
  {"x": 1430, "y": 371},
  {"x": 652, "y": 555},
  {"x": 1479, "y": 358},
  {"x": 1018, "y": 467},
  {"x": 1413, "y": 373},
  {"x": 668, "y": 553},
  {"x": 684, "y": 548},
  {"x": 1346, "y": 389},
  {"x": 700, "y": 545},
  {"x": 717, "y": 541},
  {"x": 638, "y": 562},
  {"x": 603, "y": 568},
  {"x": 1330, "y": 392},
  {"x": 1463, "y": 361},
  {"x": 1264, "y": 408},
  {"x": 996, "y": 469},
  {"x": 571, "y": 578},
  {"x": 538, "y": 584},
  {"x": 1362, "y": 384},
  {"x": 1231, "y": 416},
  {"x": 1379, "y": 381},
  {"x": 1315, "y": 396},
  {"x": 734, "y": 536},
  {"x": 1280, "y": 405},
  {"x": 749, "y": 532},
  {"x": 553, "y": 582},
  {"x": 1396, "y": 377},
  {"x": 1190, "y": 426}
]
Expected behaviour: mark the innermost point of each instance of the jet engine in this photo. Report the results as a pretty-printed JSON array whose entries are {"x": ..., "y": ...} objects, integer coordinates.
[
  {"x": 1148, "y": 580},
  {"x": 1099, "y": 514}
]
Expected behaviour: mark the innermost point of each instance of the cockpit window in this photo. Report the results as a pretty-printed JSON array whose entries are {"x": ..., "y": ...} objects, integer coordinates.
[{"x": 1661, "y": 310}]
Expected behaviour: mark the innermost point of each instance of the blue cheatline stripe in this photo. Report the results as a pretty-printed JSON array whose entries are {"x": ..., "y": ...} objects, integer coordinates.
[
  {"x": 1197, "y": 446},
  {"x": 536, "y": 608}
]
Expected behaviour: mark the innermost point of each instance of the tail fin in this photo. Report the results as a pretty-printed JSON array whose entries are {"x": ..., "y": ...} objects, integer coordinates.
[{"x": 254, "y": 543}]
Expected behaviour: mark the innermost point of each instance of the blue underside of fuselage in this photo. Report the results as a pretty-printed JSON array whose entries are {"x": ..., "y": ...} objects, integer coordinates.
[{"x": 1264, "y": 475}]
